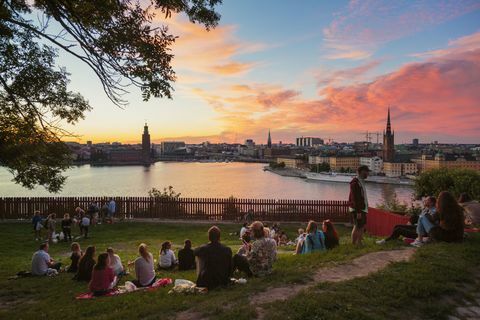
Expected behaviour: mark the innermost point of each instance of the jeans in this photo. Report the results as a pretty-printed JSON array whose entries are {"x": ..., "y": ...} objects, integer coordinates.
[{"x": 424, "y": 226}]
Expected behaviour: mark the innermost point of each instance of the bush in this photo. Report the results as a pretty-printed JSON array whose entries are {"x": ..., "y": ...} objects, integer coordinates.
[
  {"x": 320, "y": 167},
  {"x": 275, "y": 165},
  {"x": 456, "y": 181}
]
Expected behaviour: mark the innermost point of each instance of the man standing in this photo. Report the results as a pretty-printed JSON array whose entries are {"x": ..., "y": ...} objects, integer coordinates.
[
  {"x": 214, "y": 262},
  {"x": 358, "y": 204}
]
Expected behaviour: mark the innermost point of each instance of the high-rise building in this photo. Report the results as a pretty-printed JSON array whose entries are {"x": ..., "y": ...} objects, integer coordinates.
[
  {"x": 146, "y": 153},
  {"x": 269, "y": 141},
  {"x": 415, "y": 142},
  {"x": 309, "y": 142},
  {"x": 388, "y": 142}
]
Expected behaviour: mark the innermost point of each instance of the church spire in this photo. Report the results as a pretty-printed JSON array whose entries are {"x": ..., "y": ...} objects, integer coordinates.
[
  {"x": 389, "y": 127},
  {"x": 269, "y": 141}
]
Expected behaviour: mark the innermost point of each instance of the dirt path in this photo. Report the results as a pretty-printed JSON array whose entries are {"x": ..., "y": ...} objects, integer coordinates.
[{"x": 359, "y": 267}]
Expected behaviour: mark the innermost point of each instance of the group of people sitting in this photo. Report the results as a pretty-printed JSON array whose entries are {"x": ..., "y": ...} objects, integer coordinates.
[{"x": 442, "y": 219}]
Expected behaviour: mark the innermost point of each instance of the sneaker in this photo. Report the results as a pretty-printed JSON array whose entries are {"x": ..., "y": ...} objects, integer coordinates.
[
  {"x": 383, "y": 241},
  {"x": 417, "y": 243}
]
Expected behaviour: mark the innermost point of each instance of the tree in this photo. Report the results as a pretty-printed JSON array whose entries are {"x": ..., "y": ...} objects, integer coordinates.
[
  {"x": 115, "y": 39},
  {"x": 456, "y": 181},
  {"x": 320, "y": 167}
]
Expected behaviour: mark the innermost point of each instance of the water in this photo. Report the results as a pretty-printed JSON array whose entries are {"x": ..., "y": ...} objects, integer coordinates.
[{"x": 192, "y": 179}]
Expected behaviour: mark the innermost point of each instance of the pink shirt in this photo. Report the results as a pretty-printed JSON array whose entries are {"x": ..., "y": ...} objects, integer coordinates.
[{"x": 101, "y": 279}]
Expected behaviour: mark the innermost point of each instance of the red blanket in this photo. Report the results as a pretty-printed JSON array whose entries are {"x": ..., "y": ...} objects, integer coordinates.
[{"x": 114, "y": 292}]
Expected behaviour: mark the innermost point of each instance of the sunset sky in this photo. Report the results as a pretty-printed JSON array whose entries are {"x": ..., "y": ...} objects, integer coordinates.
[{"x": 313, "y": 68}]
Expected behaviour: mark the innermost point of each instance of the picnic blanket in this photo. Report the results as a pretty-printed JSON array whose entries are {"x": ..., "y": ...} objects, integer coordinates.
[{"x": 126, "y": 289}]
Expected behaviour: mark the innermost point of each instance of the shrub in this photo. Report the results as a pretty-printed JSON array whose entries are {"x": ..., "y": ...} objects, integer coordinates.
[{"x": 456, "y": 181}]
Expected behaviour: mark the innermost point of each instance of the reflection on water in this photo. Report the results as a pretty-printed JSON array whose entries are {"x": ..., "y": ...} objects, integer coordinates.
[{"x": 207, "y": 180}]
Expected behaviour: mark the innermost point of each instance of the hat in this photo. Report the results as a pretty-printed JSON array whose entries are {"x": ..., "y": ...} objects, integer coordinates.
[{"x": 363, "y": 168}]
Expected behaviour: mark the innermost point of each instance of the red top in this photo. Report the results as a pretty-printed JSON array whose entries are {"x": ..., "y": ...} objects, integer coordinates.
[{"x": 101, "y": 279}]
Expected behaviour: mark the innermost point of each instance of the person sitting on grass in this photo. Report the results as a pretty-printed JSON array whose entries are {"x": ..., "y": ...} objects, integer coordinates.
[
  {"x": 37, "y": 225},
  {"x": 115, "y": 262},
  {"x": 260, "y": 256},
  {"x": 243, "y": 229},
  {"x": 67, "y": 227},
  {"x": 452, "y": 220},
  {"x": 331, "y": 235},
  {"x": 471, "y": 208},
  {"x": 410, "y": 230},
  {"x": 74, "y": 257},
  {"x": 282, "y": 238},
  {"x": 85, "y": 265},
  {"x": 42, "y": 264},
  {"x": 299, "y": 241},
  {"x": 214, "y": 262},
  {"x": 245, "y": 244},
  {"x": 166, "y": 259},
  {"x": 186, "y": 258},
  {"x": 427, "y": 220},
  {"x": 103, "y": 277},
  {"x": 144, "y": 267},
  {"x": 315, "y": 239}
]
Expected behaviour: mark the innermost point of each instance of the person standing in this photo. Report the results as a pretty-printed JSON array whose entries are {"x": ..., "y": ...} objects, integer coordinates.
[
  {"x": 37, "y": 225},
  {"x": 214, "y": 262},
  {"x": 111, "y": 209},
  {"x": 85, "y": 224},
  {"x": 358, "y": 204},
  {"x": 51, "y": 222},
  {"x": 67, "y": 227}
]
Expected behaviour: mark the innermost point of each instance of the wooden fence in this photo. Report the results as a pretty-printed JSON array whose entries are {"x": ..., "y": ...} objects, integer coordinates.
[{"x": 228, "y": 209}]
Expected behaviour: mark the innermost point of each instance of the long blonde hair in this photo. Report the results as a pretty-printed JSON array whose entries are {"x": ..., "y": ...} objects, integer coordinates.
[{"x": 142, "y": 249}]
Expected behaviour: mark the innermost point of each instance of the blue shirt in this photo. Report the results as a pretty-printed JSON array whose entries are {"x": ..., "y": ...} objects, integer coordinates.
[
  {"x": 314, "y": 242},
  {"x": 36, "y": 219},
  {"x": 111, "y": 206}
]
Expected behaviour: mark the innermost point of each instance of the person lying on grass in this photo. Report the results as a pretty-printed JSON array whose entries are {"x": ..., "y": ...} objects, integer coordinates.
[
  {"x": 42, "y": 264},
  {"x": 103, "y": 277}
]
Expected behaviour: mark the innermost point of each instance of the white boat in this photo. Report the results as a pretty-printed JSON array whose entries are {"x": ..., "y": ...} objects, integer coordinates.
[{"x": 347, "y": 177}]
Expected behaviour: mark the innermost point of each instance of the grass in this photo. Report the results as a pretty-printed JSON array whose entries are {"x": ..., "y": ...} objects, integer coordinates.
[{"x": 435, "y": 271}]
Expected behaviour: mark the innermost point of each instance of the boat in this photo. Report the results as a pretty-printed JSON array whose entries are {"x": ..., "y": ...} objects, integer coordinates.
[{"x": 347, "y": 177}]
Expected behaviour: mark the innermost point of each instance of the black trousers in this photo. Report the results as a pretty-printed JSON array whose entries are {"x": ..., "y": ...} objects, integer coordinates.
[
  {"x": 404, "y": 230},
  {"x": 67, "y": 234},
  {"x": 240, "y": 263}
]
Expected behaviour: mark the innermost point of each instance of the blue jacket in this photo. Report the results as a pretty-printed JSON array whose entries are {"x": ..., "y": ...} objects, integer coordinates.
[{"x": 314, "y": 242}]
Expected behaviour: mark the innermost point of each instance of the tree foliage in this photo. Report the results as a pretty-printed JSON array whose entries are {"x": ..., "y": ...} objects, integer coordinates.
[
  {"x": 456, "y": 181},
  {"x": 117, "y": 40},
  {"x": 320, "y": 167}
]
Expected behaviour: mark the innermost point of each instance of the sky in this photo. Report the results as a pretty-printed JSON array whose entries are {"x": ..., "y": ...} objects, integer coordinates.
[{"x": 326, "y": 69}]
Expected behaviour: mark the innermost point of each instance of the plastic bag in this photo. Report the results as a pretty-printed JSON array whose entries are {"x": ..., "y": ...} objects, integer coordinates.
[
  {"x": 130, "y": 286},
  {"x": 183, "y": 282}
]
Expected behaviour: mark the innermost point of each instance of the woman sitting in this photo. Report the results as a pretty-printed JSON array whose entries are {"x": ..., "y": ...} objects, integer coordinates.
[
  {"x": 75, "y": 257},
  {"x": 103, "y": 278},
  {"x": 331, "y": 235},
  {"x": 144, "y": 268},
  {"x": 166, "y": 259},
  {"x": 186, "y": 258},
  {"x": 472, "y": 209},
  {"x": 85, "y": 265},
  {"x": 115, "y": 263},
  {"x": 315, "y": 240},
  {"x": 450, "y": 213}
]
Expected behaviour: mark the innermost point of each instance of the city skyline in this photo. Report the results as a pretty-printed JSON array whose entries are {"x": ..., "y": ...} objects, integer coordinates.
[{"x": 342, "y": 63}]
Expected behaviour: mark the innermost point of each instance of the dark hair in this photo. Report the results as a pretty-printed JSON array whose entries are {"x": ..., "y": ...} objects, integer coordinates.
[
  {"x": 449, "y": 211},
  {"x": 101, "y": 261},
  {"x": 89, "y": 254},
  {"x": 187, "y": 244},
  {"x": 311, "y": 227},
  {"x": 43, "y": 246},
  {"x": 329, "y": 229},
  {"x": 464, "y": 197},
  {"x": 433, "y": 200},
  {"x": 165, "y": 246},
  {"x": 214, "y": 234},
  {"x": 245, "y": 224},
  {"x": 363, "y": 168}
]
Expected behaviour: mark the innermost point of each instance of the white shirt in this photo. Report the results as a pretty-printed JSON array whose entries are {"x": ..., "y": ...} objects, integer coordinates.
[
  {"x": 85, "y": 221},
  {"x": 40, "y": 261},
  {"x": 144, "y": 270},
  {"x": 116, "y": 264},
  {"x": 167, "y": 259},
  {"x": 242, "y": 231}
]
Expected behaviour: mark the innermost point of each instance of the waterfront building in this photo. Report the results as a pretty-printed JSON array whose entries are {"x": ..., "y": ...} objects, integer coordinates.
[
  {"x": 309, "y": 142},
  {"x": 340, "y": 162},
  {"x": 399, "y": 169},
  {"x": 171, "y": 147},
  {"x": 318, "y": 159},
  {"x": 388, "y": 142},
  {"x": 375, "y": 164},
  {"x": 292, "y": 162},
  {"x": 146, "y": 146},
  {"x": 446, "y": 160}
]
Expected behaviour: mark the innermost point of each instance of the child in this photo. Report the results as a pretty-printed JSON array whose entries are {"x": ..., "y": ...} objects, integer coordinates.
[
  {"x": 51, "y": 227},
  {"x": 282, "y": 239},
  {"x": 186, "y": 258},
  {"x": 37, "y": 225},
  {"x": 167, "y": 258},
  {"x": 75, "y": 257},
  {"x": 300, "y": 240},
  {"x": 103, "y": 278},
  {"x": 67, "y": 227},
  {"x": 85, "y": 224}
]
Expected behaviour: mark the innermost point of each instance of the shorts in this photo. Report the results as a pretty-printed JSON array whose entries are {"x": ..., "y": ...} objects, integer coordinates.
[{"x": 359, "y": 223}]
